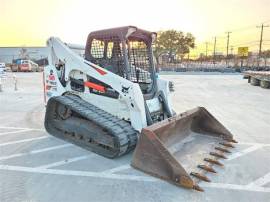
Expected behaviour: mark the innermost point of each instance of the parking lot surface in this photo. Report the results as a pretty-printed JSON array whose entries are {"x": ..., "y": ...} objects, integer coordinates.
[{"x": 35, "y": 166}]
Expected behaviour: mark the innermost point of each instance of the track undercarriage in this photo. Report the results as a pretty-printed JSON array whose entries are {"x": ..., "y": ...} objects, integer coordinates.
[{"x": 77, "y": 121}]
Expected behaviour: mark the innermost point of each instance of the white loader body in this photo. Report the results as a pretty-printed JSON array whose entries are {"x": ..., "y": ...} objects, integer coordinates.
[{"x": 130, "y": 105}]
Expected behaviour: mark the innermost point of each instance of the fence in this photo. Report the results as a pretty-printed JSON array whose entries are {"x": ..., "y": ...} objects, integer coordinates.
[{"x": 232, "y": 65}]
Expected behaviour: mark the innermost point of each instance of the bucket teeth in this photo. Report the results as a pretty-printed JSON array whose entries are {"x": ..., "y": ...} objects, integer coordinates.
[
  {"x": 218, "y": 155},
  {"x": 200, "y": 176},
  {"x": 234, "y": 141},
  {"x": 231, "y": 140},
  {"x": 213, "y": 161},
  {"x": 226, "y": 144},
  {"x": 207, "y": 168},
  {"x": 198, "y": 188},
  {"x": 222, "y": 149}
]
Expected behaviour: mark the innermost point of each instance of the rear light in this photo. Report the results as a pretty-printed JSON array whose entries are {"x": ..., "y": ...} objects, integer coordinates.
[
  {"x": 47, "y": 87},
  {"x": 44, "y": 87}
]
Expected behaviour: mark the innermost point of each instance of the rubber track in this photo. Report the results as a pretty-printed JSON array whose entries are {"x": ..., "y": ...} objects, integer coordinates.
[{"x": 123, "y": 133}]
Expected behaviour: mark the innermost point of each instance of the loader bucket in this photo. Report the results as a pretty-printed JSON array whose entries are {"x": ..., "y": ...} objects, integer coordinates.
[{"x": 183, "y": 148}]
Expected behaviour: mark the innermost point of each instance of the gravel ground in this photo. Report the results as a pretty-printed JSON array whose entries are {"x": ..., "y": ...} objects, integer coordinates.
[{"x": 35, "y": 166}]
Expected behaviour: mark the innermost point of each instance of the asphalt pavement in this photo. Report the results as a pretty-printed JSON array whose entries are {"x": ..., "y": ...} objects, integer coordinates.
[{"x": 35, "y": 166}]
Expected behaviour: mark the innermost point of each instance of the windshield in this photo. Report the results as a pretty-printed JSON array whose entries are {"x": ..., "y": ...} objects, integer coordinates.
[
  {"x": 109, "y": 53},
  {"x": 25, "y": 62},
  {"x": 140, "y": 64}
]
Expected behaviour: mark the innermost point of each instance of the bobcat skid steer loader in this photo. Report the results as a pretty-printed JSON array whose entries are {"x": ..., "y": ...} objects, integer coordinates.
[{"x": 111, "y": 100}]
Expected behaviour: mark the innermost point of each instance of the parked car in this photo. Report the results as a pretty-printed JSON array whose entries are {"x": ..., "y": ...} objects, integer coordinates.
[
  {"x": 2, "y": 68},
  {"x": 28, "y": 66},
  {"x": 14, "y": 67}
]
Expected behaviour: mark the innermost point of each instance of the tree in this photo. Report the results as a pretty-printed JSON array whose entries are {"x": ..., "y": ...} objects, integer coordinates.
[
  {"x": 173, "y": 43},
  {"x": 265, "y": 54},
  {"x": 24, "y": 53}
]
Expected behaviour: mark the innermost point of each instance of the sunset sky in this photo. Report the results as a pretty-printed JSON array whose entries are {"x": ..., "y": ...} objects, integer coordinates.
[{"x": 31, "y": 22}]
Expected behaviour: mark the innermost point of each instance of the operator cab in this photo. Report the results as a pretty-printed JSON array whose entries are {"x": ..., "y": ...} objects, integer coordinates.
[{"x": 125, "y": 51}]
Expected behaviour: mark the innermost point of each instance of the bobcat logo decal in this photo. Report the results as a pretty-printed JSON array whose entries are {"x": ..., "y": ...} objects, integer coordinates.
[{"x": 125, "y": 89}]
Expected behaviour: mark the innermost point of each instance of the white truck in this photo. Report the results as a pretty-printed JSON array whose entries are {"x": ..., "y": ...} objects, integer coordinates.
[
  {"x": 2, "y": 68},
  {"x": 28, "y": 66}
]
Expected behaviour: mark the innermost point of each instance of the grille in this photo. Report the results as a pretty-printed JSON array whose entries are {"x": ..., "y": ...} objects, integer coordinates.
[
  {"x": 139, "y": 62},
  {"x": 107, "y": 52}
]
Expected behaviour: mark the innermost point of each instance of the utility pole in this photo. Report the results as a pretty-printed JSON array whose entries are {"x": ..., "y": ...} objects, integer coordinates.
[
  {"x": 206, "y": 49},
  {"x": 188, "y": 60},
  {"x": 228, "y": 41},
  {"x": 214, "y": 53},
  {"x": 232, "y": 56},
  {"x": 231, "y": 50},
  {"x": 261, "y": 39}
]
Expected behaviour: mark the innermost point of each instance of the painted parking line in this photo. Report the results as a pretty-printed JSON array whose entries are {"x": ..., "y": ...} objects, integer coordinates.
[
  {"x": 78, "y": 173},
  {"x": 235, "y": 187},
  {"x": 261, "y": 181},
  {"x": 127, "y": 177},
  {"x": 14, "y": 132},
  {"x": 117, "y": 169},
  {"x": 64, "y": 162},
  {"x": 20, "y": 128},
  {"x": 254, "y": 186},
  {"x": 254, "y": 143},
  {"x": 24, "y": 140},
  {"x": 244, "y": 152},
  {"x": 35, "y": 151}
]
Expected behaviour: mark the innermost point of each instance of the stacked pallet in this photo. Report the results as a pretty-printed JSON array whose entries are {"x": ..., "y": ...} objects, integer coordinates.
[{"x": 258, "y": 78}]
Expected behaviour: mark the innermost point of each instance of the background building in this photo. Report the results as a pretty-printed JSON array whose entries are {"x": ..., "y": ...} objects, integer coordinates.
[
  {"x": 36, "y": 54},
  {"x": 8, "y": 54}
]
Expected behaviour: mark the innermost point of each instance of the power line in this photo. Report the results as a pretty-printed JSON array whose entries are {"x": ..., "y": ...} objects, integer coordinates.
[
  {"x": 243, "y": 28},
  {"x": 228, "y": 42},
  {"x": 266, "y": 21},
  {"x": 214, "y": 53},
  {"x": 206, "y": 48},
  {"x": 231, "y": 50},
  {"x": 246, "y": 43},
  {"x": 219, "y": 36}
]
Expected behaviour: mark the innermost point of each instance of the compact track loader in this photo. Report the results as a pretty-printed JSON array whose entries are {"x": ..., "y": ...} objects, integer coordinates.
[{"x": 112, "y": 99}]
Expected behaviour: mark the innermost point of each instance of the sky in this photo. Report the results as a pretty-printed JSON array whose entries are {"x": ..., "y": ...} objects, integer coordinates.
[{"x": 32, "y": 22}]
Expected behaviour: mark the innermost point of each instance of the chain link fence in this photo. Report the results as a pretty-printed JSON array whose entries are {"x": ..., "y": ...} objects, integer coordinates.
[{"x": 235, "y": 64}]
